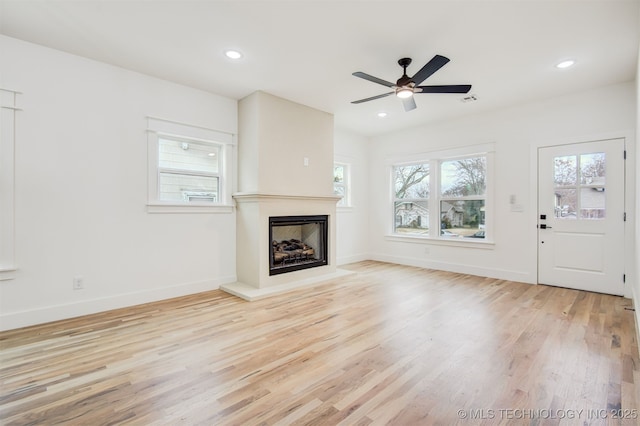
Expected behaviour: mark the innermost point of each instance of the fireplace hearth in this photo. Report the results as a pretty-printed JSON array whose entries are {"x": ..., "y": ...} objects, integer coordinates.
[{"x": 297, "y": 242}]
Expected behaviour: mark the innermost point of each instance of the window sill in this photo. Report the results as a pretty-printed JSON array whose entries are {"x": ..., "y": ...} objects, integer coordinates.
[
  {"x": 451, "y": 242},
  {"x": 189, "y": 208}
]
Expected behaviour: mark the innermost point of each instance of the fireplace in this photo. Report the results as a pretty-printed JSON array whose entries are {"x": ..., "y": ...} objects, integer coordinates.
[{"x": 297, "y": 242}]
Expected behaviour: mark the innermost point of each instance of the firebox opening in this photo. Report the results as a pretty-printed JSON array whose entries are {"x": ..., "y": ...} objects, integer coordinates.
[{"x": 297, "y": 242}]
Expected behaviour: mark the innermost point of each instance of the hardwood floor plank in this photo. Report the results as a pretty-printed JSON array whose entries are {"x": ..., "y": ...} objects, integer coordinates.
[{"x": 391, "y": 345}]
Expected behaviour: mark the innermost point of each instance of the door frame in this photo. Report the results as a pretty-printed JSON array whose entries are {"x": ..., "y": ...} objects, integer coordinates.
[{"x": 629, "y": 199}]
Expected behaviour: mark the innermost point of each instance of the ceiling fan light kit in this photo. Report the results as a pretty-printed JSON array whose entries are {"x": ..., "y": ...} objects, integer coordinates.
[
  {"x": 404, "y": 92},
  {"x": 406, "y": 86}
]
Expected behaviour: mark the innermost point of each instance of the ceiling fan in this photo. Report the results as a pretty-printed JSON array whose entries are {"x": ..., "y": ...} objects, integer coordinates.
[{"x": 406, "y": 86}]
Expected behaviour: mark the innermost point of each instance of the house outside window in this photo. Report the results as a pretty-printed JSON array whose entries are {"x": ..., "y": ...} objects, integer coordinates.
[
  {"x": 444, "y": 197},
  {"x": 341, "y": 184},
  {"x": 463, "y": 190},
  {"x": 579, "y": 182},
  {"x": 188, "y": 171},
  {"x": 189, "y": 168},
  {"x": 411, "y": 203}
]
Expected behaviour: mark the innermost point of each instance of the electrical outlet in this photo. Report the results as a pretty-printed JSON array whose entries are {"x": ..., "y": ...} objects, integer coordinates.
[
  {"x": 426, "y": 250},
  {"x": 78, "y": 283}
]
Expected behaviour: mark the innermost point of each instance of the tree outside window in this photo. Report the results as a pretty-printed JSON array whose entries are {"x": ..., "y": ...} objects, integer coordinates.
[
  {"x": 579, "y": 186},
  {"x": 411, "y": 204},
  {"x": 441, "y": 198},
  {"x": 463, "y": 191}
]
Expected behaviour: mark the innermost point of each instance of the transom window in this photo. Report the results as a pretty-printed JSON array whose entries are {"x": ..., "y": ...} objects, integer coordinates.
[{"x": 442, "y": 198}]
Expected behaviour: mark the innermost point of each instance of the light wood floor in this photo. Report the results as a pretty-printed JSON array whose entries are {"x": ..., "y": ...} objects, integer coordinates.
[{"x": 391, "y": 345}]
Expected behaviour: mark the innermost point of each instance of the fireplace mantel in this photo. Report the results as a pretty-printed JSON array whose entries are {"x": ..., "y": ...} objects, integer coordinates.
[{"x": 253, "y": 197}]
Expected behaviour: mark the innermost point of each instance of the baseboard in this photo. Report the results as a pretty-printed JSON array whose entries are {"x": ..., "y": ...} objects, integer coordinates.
[
  {"x": 497, "y": 273},
  {"x": 15, "y": 320},
  {"x": 352, "y": 259}
]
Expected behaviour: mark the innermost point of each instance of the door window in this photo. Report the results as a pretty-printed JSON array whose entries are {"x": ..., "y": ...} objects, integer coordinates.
[{"x": 579, "y": 186}]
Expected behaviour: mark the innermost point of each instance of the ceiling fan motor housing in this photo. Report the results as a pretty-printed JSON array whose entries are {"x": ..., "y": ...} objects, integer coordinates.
[{"x": 405, "y": 80}]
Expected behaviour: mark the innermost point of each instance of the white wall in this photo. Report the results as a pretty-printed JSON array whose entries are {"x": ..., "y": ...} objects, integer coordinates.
[
  {"x": 81, "y": 190},
  {"x": 516, "y": 133},
  {"x": 353, "y": 221}
]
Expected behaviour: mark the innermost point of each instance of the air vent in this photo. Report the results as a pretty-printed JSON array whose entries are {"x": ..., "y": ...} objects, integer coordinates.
[{"x": 470, "y": 98}]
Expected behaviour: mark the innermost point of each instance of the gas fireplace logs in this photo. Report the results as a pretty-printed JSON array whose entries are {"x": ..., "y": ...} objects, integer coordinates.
[{"x": 292, "y": 250}]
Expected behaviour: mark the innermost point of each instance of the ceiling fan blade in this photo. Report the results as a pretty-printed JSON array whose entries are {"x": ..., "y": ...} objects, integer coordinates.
[
  {"x": 372, "y": 98},
  {"x": 373, "y": 79},
  {"x": 432, "y": 66},
  {"x": 409, "y": 103},
  {"x": 454, "y": 88}
]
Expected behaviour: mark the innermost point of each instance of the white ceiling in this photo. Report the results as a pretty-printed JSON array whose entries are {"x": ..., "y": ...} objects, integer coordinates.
[{"x": 306, "y": 51}]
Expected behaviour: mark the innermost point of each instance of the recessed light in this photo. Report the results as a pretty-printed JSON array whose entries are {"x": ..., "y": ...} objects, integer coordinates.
[
  {"x": 565, "y": 64},
  {"x": 212, "y": 154},
  {"x": 382, "y": 114},
  {"x": 233, "y": 54}
]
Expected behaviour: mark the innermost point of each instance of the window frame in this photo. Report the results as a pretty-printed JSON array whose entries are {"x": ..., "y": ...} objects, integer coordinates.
[
  {"x": 435, "y": 159},
  {"x": 8, "y": 109},
  {"x": 475, "y": 197},
  {"x": 171, "y": 130}
]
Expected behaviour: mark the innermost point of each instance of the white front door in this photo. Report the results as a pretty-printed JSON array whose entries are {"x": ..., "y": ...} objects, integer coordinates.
[{"x": 581, "y": 216}]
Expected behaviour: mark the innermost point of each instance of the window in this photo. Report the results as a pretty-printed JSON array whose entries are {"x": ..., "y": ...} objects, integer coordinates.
[
  {"x": 579, "y": 182},
  {"x": 341, "y": 184},
  {"x": 411, "y": 204},
  {"x": 188, "y": 171},
  {"x": 8, "y": 100},
  {"x": 462, "y": 197},
  {"x": 188, "y": 168},
  {"x": 443, "y": 197}
]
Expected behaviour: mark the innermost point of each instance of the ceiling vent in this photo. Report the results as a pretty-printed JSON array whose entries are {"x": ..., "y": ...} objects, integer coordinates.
[{"x": 467, "y": 99}]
